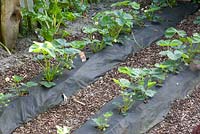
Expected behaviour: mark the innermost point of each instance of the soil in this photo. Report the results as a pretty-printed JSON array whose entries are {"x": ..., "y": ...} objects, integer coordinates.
[{"x": 86, "y": 102}]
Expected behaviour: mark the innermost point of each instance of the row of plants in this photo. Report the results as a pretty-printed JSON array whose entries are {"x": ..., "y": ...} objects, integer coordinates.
[
  {"x": 56, "y": 55},
  {"x": 142, "y": 82},
  {"x": 48, "y": 15}
]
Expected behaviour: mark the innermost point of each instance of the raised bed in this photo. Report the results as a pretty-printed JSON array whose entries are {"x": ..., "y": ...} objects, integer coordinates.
[{"x": 39, "y": 100}]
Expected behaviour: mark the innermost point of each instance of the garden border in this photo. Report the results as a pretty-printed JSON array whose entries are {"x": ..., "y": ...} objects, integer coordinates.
[{"x": 39, "y": 100}]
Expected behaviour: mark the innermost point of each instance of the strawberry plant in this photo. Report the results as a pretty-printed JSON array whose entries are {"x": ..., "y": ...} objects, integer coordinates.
[
  {"x": 4, "y": 99},
  {"x": 141, "y": 84},
  {"x": 20, "y": 88},
  {"x": 113, "y": 23},
  {"x": 135, "y": 10},
  {"x": 63, "y": 130},
  {"x": 127, "y": 102},
  {"x": 102, "y": 122},
  {"x": 150, "y": 13},
  {"x": 54, "y": 56},
  {"x": 50, "y": 15},
  {"x": 47, "y": 53},
  {"x": 68, "y": 51}
]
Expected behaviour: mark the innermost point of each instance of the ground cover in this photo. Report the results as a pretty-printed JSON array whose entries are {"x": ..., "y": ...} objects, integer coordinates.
[{"x": 78, "y": 99}]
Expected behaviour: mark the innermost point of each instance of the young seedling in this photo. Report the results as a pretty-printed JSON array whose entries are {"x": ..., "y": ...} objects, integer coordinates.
[
  {"x": 4, "y": 99},
  {"x": 102, "y": 122},
  {"x": 19, "y": 87},
  {"x": 127, "y": 102},
  {"x": 16, "y": 85},
  {"x": 63, "y": 130},
  {"x": 150, "y": 13}
]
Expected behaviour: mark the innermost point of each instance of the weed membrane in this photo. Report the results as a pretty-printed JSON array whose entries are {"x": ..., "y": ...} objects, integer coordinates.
[{"x": 141, "y": 116}]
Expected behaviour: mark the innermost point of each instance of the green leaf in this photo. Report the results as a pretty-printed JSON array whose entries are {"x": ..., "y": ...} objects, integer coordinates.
[
  {"x": 108, "y": 114},
  {"x": 170, "y": 43},
  {"x": 17, "y": 78},
  {"x": 135, "y": 5},
  {"x": 196, "y": 38},
  {"x": 150, "y": 93},
  {"x": 170, "y": 32},
  {"x": 31, "y": 84},
  {"x": 151, "y": 84},
  {"x": 78, "y": 44},
  {"x": 44, "y": 48},
  {"x": 123, "y": 83},
  {"x": 89, "y": 30},
  {"x": 71, "y": 51},
  {"x": 47, "y": 84},
  {"x": 172, "y": 55},
  {"x": 125, "y": 70}
]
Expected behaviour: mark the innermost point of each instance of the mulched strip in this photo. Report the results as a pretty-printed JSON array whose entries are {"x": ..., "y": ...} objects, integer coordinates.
[
  {"x": 185, "y": 113},
  {"x": 89, "y": 100},
  {"x": 183, "y": 116}
]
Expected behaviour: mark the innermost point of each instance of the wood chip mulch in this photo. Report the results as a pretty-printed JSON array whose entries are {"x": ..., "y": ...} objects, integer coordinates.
[
  {"x": 89, "y": 100},
  {"x": 183, "y": 116}
]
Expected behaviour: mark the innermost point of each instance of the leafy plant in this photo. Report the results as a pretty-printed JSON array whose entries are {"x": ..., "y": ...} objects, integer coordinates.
[
  {"x": 50, "y": 15},
  {"x": 150, "y": 13},
  {"x": 4, "y": 99},
  {"x": 137, "y": 17},
  {"x": 19, "y": 87},
  {"x": 165, "y": 3},
  {"x": 68, "y": 51},
  {"x": 141, "y": 84},
  {"x": 48, "y": 51},
  {"x": 102, "y": 122},
  {"x": 127, "y": 102},
  {"x": 16, "y": 85},
  {"x": 197, "y": 21},
  {"x": 170, "y": 32},
  {"x": 112, "y": 23},
  {"x": 180, "y": 50},
  {"x": 54, "y": 56},
  {"x": 63, "y": 130}
]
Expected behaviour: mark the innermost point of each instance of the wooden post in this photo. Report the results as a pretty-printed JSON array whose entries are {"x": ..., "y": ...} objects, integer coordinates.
[{"x": 10, "y": 19}]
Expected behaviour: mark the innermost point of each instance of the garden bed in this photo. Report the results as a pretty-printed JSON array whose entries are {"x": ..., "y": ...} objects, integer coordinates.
[{"x": 21, "y": 111}]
